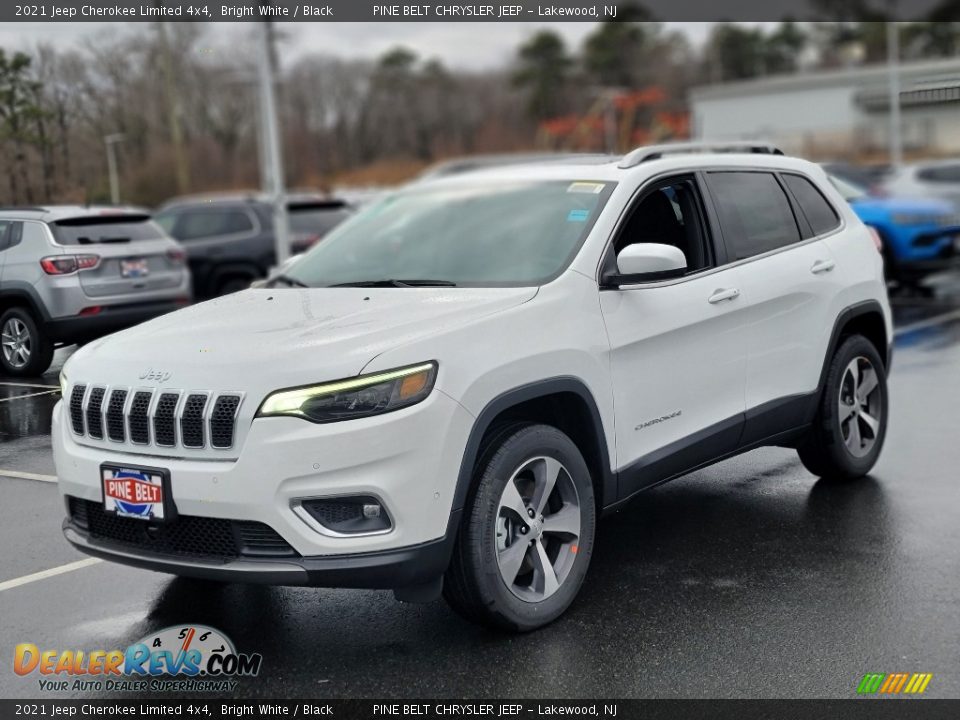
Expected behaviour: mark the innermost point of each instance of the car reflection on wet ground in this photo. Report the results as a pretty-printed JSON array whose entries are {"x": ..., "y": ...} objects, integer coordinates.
[{"x": 750, "y": 578}]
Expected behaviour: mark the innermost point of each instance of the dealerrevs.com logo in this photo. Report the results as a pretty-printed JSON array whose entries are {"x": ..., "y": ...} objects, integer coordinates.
[{"x": 185, "y": 658}]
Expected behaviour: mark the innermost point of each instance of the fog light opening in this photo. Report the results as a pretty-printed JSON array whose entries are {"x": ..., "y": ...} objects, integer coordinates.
[{"x": 345, "y": 516}]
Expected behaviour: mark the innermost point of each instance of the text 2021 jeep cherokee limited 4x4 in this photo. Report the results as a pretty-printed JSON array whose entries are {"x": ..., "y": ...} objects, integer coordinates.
[{"x": 449, "y": 390}]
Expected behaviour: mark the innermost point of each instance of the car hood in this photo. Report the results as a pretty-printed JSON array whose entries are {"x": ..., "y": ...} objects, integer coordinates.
[{"x": 274, "y": 338}]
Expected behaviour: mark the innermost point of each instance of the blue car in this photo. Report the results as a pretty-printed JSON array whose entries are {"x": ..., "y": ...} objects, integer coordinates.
[{"x": 920, "y": 236}]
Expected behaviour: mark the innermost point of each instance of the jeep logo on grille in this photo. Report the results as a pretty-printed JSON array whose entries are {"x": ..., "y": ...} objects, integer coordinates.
[{"x": 160, "y": 376}]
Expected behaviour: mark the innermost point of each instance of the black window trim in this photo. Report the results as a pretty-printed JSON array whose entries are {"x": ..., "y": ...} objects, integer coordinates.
[
  {"x": 798, "y": 208},
  {"x": 708, "y": 220},
  {"x": 776, "y": 171}
]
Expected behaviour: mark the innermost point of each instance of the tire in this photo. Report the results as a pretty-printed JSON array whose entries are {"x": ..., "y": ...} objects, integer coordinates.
[
  {"x": 25, "y": 350},
  {"x": 494, "y": 539},
  {"x": 844, "y": 449}
]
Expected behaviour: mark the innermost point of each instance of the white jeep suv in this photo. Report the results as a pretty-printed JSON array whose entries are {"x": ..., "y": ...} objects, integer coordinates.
[{"x": 448, "y": 391}]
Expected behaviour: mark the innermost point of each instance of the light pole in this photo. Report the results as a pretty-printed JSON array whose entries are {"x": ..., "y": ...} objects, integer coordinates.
[
  {"x": 110, "y": 141},
  {"x": 271, "y": 146},
  {"x": 893, "y": 65}
]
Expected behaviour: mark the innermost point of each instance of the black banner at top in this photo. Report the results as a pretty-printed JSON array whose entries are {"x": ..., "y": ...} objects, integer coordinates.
[{"x": 474, "y": 10}]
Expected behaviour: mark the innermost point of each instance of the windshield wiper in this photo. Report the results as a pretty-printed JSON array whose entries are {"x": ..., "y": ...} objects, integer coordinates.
[
  {"x": 286, "y": 280},
  {"x": 397, "y": 283}
]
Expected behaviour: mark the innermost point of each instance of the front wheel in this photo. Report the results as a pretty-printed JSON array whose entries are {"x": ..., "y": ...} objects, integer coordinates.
[
  {"x": 851, "y": 422},
  {"x": 525, "y": 541}
]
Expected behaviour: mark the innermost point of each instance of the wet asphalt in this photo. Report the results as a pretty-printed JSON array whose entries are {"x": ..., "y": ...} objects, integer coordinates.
[{"x": 748, "y": 579}]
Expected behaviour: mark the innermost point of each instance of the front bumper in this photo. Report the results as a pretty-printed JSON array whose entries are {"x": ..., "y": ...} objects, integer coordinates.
[
  {"x": 410, "y": 459},
  {"x": 388, "y": 569}
]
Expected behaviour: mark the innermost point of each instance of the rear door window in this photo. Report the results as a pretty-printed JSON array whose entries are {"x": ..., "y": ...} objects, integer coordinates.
[
  {"x": 198, "y": 224},
  {"x": 105, "y": 229},
  {"x": 754, "y": 211},
  {"x": 819, "y": 213}
]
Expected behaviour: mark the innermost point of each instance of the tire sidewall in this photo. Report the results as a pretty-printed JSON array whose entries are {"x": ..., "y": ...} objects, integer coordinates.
[
  {"x": 527, "y": 443},
  {"x": 856, "y": 346}
]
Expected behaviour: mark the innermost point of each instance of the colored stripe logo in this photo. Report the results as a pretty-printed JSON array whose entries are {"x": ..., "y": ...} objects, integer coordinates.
[{"x": 894, "y": 683}]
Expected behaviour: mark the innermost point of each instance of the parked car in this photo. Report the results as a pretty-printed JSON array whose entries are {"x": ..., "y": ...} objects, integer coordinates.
[
  {"x": 934, "y": 179},
  {"x": 229, "y": 238},
  {"x": 446, "y": 393},
  {"x": 919, "y": 236},
  {"x": 71, "y": 274}
]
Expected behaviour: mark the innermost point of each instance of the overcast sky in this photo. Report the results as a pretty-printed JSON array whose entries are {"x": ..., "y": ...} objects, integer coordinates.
[{"x": 466, "y": 45}]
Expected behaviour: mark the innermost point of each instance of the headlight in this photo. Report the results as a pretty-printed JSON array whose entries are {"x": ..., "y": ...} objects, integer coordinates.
[
  {"x": 356, "y": 397},
  {"x": 63, "y": 384}
]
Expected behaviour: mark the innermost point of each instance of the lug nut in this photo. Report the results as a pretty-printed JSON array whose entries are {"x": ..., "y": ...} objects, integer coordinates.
[
  {"x": 530, "y": 512},
  {"x": 523, "y": 530}
]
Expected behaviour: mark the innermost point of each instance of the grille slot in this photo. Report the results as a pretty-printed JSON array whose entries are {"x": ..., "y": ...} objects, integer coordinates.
[
  {"x": 115, "y": 431},
  {"x": 151, "y": 416},
  {"x": 95, "y": 413},
  {"x": 76, "y": 407},
  {"x": 211, "y": 539},
  {"x": 191, "y": 421},
  {"x": 222, "y": 420},
  {"x": 138, "y": 420},
  {"x": 164, "y": 420}
]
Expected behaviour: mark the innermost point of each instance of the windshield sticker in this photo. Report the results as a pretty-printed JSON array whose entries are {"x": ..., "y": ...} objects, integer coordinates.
[
  {"x": 590, "y": 188},
  {"x": 578, "y": 216}
]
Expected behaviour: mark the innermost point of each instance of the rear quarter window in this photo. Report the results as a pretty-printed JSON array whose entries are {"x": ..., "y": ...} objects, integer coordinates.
[
  {"x": 940, "y": 174},
  {"x": 755, "y": 214},
  {"x": 814, "y": 206}
]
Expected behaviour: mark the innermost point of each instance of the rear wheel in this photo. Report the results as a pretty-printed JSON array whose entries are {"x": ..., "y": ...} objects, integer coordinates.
[
  {"x": 24, "y": 350},
  {"x": 851, "y": 423},
  {"x": 525, "y": 542}
]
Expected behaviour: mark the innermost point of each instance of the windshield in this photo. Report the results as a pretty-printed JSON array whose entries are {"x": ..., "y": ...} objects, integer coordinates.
[
  {"x": 491, "y": 234},
  {"x": 849, "y": 191}
]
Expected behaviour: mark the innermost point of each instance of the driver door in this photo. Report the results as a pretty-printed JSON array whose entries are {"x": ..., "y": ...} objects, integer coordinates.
[{"x": 678, "y": 347}]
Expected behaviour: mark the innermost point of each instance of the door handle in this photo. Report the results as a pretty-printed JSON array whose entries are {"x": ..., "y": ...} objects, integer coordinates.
[
  {"x": 721, "y": 295},
  {"x": 822, "y": 266}
]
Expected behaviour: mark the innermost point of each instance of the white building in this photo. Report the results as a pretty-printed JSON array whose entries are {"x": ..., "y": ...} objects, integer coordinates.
[{"x": 836, "y": 113}]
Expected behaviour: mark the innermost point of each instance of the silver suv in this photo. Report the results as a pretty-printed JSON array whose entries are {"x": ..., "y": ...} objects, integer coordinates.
[{"x": 71, "y": 274}]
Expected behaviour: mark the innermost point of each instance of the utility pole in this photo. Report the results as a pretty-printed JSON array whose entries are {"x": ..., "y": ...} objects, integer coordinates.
[
  {"x": 893, "y": 65},
  {"x": 111, "y": 141},
  {"x": 271, "y": 145},
  {"x": 180, "y": 161}
]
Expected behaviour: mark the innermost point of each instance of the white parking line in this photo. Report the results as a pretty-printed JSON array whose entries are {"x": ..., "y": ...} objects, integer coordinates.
[
  {"x": 52, "y": 572},
  {"x": 27, "y": 476},
  {"x": 17, "y": 384},
  {"x": 21, "y": 397},
  {"x": 929, "y": 322}
]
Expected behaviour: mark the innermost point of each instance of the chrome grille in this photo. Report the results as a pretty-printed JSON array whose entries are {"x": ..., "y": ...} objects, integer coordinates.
[
  {"x": 138, "y": 418},
  {"x": 95, "y": 413},
  {"x": 164, "y": 420},
  {"x": 222, "y": 421},
  {"x": 118, "y": 399},
  {"x": 193, "y": 420},
  {"x": 76, "y": 408}
]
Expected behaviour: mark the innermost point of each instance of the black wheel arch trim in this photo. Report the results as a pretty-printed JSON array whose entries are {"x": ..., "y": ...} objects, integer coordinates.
[
  {"x": 26, "y": 293},
  {"x": 524, "y": 393},
  {"x": 867, "y": 307}
]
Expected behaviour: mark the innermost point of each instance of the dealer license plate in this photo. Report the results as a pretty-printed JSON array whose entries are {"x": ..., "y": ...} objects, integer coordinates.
[{"x": 134, "y": 492}]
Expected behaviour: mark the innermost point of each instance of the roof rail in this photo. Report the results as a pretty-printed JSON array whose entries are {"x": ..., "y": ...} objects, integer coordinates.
[{"x": 655, "y": 152}]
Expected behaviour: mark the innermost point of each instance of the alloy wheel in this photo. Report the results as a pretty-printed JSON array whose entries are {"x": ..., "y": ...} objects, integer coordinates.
[
  {"x": 860, "y": 406},
  {"x": 16, "y": 343},
  {"x": 538, "y": 529}
]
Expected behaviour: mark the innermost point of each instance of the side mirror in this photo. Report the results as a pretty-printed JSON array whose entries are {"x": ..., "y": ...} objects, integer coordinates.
[{"x": 646, "y": 262}]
